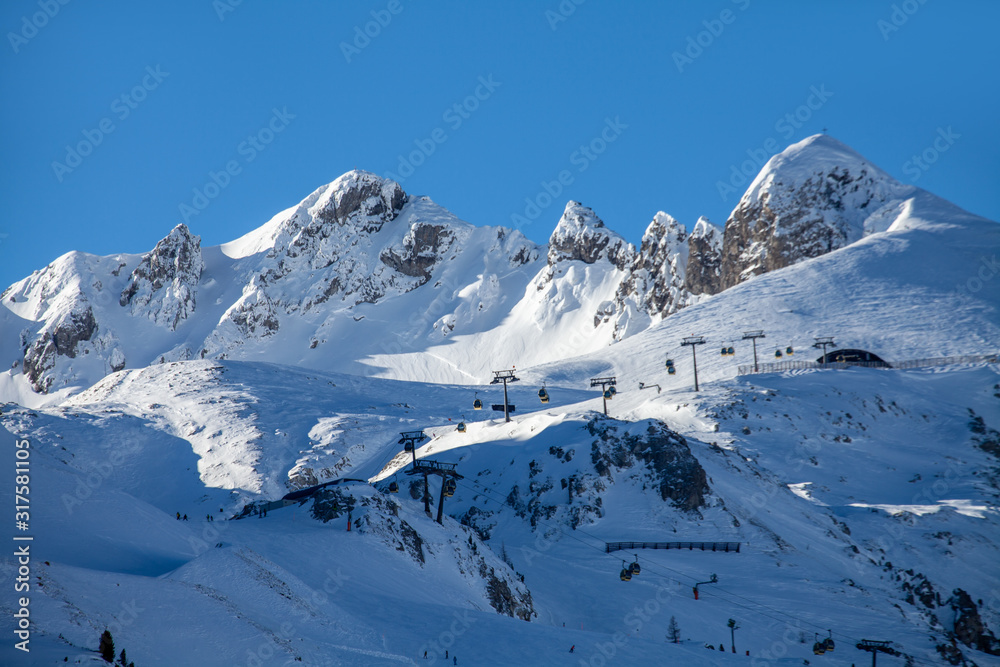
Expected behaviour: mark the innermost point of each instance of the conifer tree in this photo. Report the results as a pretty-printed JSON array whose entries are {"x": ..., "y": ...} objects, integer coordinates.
[
  {"x": 673, "y": 631},
  {"x": 106, "y": 647}
]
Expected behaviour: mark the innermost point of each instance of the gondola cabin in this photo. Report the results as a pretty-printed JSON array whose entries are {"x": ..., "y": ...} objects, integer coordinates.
[
  {"x": 789, "y": 350},
  {"x": 732, "y": 351},
  {"x": 477, "y": 404},
  {"x": 608, "y": 395},
  {"x": 543, "y": 395},
  {"x": 461, "y": 427},
  {"x": 449, "y": 487},
  {"x": 626, "y": 575},
  {"x": 777, "y": 354},
  {"x": 393, "y": 487}
]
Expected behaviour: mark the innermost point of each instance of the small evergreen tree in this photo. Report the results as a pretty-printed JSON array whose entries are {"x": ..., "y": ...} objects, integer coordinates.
[
  {"x": 673, "y": 631},
  {"x": 106, "y": 647}
]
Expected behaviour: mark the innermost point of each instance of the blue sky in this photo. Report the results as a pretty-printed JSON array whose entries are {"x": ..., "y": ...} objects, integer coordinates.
[{"x": 635, "y": 106}]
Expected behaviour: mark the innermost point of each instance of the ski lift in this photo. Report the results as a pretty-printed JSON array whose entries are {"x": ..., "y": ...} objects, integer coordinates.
[
  {"x": 777, "y": 354},
  {"x": 626, "y": 574},
  {"x": 634, "y": 567},
  {"x": 608, "y": 395},
  {"x": 543, "y": 395},
  {"x": 393, "y": 487},
  {"x": 789, "y": 350},
  {"x": 828, "y": 644},
  {"x": 477, "y": 404},
  {"x": 449, "y": 487},
  {"x": 819, "y": 647}
]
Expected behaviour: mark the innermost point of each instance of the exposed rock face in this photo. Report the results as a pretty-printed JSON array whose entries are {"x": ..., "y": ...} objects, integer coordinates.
[
  {"x": 656, "y": 277},
  {"x": 61, "y": 337},
  {"x": 816, "y": 196},
  {"x": 164, "y": 285},
  {"x": 420, "y": 251},
  {"x": 969, "y": 627},
  {"x": 675, "y": 471},
  {"x": 581, "y": 235},
  {"x": 703, "y": 274}
]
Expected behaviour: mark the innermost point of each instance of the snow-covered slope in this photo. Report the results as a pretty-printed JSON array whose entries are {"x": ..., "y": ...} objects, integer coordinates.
[{"x": 202, "y": 381}]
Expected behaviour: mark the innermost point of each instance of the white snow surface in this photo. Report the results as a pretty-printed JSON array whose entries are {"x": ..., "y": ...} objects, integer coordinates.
[{"x": 848, "y": 489}]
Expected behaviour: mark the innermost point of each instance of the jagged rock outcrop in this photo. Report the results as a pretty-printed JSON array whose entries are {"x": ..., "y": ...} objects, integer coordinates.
[
  {"x": 675, "y": 471},
  {"x": 164, "y": 286},
  {"x": 703, "y": 274},
  {"x": 420, "y": 250},
  {"x": 62, "y": 336},
  {"x": 969, "y": 627},
  {"x": 816, "y": 196},
  {"x": 581, "y": 235},
  {"x": 656, "y": 276}
]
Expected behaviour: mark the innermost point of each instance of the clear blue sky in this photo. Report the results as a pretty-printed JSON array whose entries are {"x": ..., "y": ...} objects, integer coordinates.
[{"x": 199, "y": 80}]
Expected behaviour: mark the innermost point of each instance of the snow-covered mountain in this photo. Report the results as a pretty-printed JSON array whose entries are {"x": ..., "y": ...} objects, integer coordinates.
[
  {"x": 361, "y": 277},
  {"x": 202, "y": 381}
]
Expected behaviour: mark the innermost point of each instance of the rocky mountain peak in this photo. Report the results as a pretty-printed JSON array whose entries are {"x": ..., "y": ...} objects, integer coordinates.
[
  {"x": 164, "y": 285},
  {"x": 814, "y": 197},
  {"x": 581, "y": 235},
  {"x": 360, "y": 199},
  {"x": 704, "y": 267}
]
